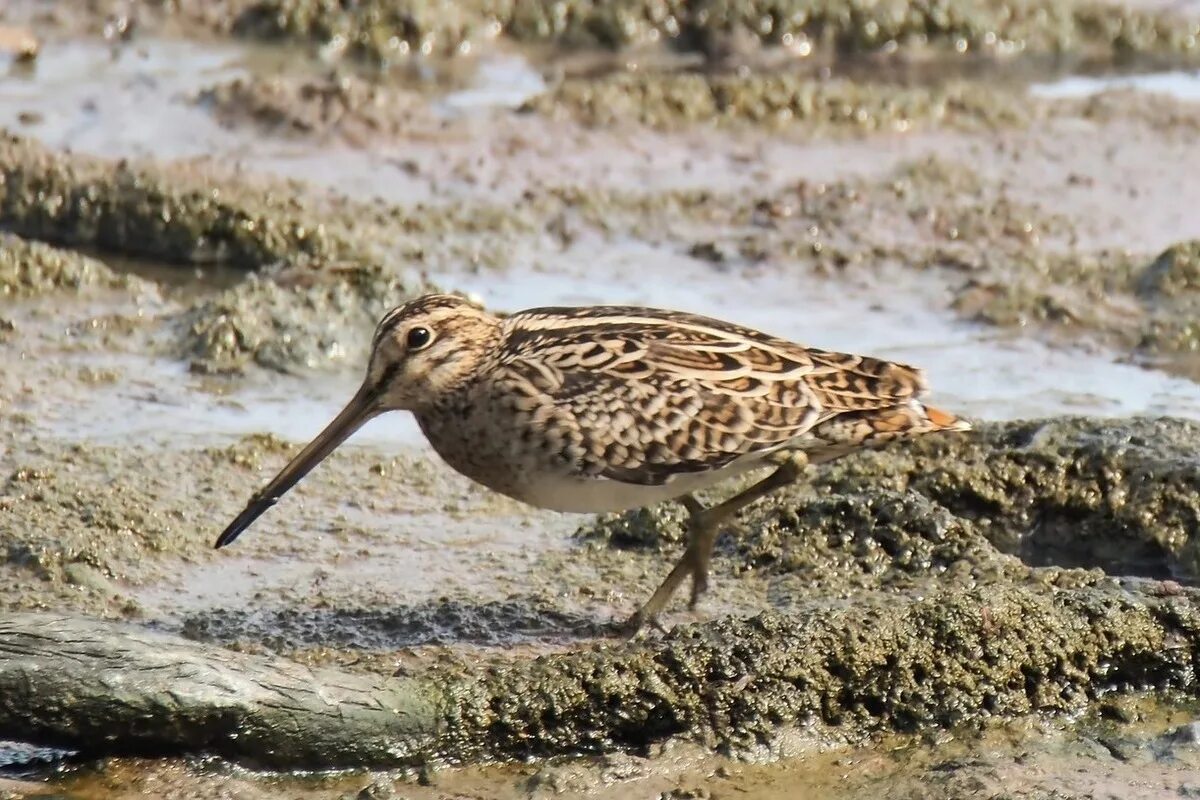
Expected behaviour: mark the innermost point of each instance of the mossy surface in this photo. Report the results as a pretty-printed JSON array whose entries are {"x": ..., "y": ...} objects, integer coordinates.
[
  {"x": 386, "y": 30},
  {"x": 949, "y": 658},
  {"x": 778, "y": 99},
  {"x": 169, "y": 215},
  {"x": 31, "y": 269}
]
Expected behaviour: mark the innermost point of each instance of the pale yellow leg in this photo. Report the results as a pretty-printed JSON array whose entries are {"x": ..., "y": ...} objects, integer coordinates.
[{"x": 702, "y": 533}]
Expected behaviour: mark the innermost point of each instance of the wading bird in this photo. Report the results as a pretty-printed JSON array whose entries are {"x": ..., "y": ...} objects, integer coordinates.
[{"x": 605, "y": 408}]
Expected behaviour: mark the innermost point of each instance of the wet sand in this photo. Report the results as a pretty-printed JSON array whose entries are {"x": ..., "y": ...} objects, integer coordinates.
[{"x": 203, "y": 227}]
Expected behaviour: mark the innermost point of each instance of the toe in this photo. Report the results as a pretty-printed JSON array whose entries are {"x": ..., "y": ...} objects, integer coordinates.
[
  {"x": 634, "y": 625},
  {"x": 637, "y": 624}
]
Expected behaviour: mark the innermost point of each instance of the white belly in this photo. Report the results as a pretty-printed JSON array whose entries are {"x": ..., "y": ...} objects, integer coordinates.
[
  {"x": 597, "y": 495},
  {"x": 472, "y": 447}
]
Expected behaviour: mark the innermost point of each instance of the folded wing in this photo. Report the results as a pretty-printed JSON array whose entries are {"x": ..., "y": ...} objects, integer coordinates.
[{"x": 641, "y": 396}]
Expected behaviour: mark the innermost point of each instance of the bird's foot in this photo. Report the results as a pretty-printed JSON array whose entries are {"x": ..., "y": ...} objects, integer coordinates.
[
  {"x": 695, "y": 563},
  {"x": 637, "y": 624}
]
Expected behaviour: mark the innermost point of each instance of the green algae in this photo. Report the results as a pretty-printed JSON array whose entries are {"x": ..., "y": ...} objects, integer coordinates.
[
  {"x": 950, "y": 658},
  {"x": 868, "y": 540},
  {"x": 354, "y": 108},
  {"x": 379, "y": 30},
  {"x": 822, "y": 107},
  {"x": 30, "y": 269},
  {"x": 943, "y": 626},
  {"x": 1175, "y": 272},
  {"x": 386, "y": 30},
  {"x": 172, "y": 216},
  {"x": 1121, "y": 495},
  {"x": 1028, "y": 25}
]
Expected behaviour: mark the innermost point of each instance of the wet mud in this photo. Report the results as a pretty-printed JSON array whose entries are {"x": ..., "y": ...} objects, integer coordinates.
[
  {"x": 1010, "y": 611},
  {"x": 818, "y": 107},
  {"x": 385, "y": 30}
]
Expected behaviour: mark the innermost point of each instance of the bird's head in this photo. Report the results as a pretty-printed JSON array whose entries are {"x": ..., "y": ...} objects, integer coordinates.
[
  {"x": 426, "y": 350},
  {"x": 423, "y": 352}
]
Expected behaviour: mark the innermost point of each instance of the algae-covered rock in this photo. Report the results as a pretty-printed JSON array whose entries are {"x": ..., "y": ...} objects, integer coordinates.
[
  {"x": 380, "y": 29},
  {"x": 177, "y": 216},
  {"x": 912, "y": 618},
  {"x": 667, "y": 100},
  {"x": 844, "y": 542},
  {"x": 1122, "y": 495},
  {"x": 29, "y": 269},
  {"x": 1175, "y": 272},
  {"x": 909, "y": 610},
  {"x": 384, "y": 30},
  {"x": 292, "y": 319},
  {"x": 947, "y": 658}
]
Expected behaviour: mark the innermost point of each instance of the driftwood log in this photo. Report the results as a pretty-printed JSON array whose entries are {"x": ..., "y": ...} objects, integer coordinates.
[
  {"x": 948, "y": 658},
  {"x": 107, "y": 688}
]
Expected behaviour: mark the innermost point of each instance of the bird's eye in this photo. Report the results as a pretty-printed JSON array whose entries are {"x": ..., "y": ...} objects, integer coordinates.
[{"x": 418, "y": 338}]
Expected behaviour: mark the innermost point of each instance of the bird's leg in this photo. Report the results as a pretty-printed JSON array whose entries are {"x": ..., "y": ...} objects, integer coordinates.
[
  {"x": 702, "y": 533},
  {"x": 706, "y": 522}
]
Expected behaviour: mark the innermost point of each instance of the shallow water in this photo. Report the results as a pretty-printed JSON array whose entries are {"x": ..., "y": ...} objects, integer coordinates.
[
  {"x": 122, "y": 100},
  {"x": 1180, "y": 84},
  {"x": 974, "y": 370},
  {"x": 499, "y": 81},
  {"x": 86, "y": 103}
]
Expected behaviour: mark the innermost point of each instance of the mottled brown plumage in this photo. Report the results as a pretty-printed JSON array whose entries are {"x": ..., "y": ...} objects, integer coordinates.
[{"x": 611, "y": 407}]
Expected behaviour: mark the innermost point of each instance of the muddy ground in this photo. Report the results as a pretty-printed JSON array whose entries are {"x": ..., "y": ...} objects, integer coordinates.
[{"x": 205, "y": 206}]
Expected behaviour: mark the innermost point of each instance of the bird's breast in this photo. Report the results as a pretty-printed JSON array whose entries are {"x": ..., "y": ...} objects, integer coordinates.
[{"x": 504, "y": 462}]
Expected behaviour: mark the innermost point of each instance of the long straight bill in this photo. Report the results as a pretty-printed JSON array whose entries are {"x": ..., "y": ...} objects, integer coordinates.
[{"x": 358, "y": 411}]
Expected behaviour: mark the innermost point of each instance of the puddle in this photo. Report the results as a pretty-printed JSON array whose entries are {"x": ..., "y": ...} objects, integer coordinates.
[
  {"x": 83, "y": 94},
  {"x": 19, "y": 756},
  {"x": 157, "y": 401},
  {"x": 121, "y": 100},
  {"x": 1180, "y": 84},
  {"x": 500, "y": 81},
  {"x": 977, "y": 371},
  {"x": 137, "y": 100}
]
